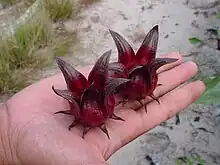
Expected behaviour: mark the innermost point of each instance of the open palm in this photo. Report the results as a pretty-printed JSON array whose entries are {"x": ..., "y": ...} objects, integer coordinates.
[{"x": 37, "y": 136}]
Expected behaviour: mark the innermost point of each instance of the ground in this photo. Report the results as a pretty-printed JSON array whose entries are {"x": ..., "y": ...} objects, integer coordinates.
[{"x": 199, "y": 128}]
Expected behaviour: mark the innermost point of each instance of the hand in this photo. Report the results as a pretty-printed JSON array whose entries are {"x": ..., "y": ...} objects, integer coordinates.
[{"x": 32, "y": 134}]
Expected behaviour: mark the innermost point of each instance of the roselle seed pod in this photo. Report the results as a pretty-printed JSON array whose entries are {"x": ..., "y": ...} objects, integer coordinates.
[
  {"x": 91, "y": 101},
  {"x": 140, "y": 68}
]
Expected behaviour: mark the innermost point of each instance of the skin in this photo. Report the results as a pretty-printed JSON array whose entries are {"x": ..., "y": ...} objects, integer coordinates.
[{"x": 31, "y": 134}]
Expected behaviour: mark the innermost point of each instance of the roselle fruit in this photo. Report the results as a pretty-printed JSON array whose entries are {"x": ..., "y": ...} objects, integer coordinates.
[
  {"x": 91, "y": 101},
  {"x": 140, "y": 67}
]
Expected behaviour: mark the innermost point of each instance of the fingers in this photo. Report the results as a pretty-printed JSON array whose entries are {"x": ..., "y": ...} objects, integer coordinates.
[
  {"x": 171, "y": 104},
  {"x": 139, "y": 122},
  {"x": 170, "y": 80},
  {"x": 174, "y": 74},
  {"x": 175, "y": 77},
  {"x": 171, "y": 65}
]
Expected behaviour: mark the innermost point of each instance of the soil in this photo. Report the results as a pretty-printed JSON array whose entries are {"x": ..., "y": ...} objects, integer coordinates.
[{"x": 198, "y": 131}]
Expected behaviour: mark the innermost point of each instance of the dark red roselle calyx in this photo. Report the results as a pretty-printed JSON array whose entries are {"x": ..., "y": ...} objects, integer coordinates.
[
  {"x": 91, "y": 101},
  {"x": 141, "y": 67}
]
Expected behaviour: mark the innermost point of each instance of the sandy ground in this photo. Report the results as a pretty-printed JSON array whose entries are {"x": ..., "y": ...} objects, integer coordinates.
[{"x": 198, "y": 131}]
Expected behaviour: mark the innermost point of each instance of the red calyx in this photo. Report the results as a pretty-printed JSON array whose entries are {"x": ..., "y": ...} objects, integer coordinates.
[
  {"x": 140, "y": 68},
  {"x": 91, "y": 101}
]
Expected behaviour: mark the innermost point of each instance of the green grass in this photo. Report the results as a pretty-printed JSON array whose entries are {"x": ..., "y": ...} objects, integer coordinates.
[
  {"x": 63, "y": 41},
  {"x": 61, "y": 48},
  {"x": 17, "y": 53},
  {"x": 30, "y": 49},
  {"x": 8, "y": 1},
  {"x": 59, "y": 10},
  {"x": 89, "y": 2},
  {"x": 23, "y": 53},
  {"x": 190, "y": 161},
  {"x": 11, "y": 81}
]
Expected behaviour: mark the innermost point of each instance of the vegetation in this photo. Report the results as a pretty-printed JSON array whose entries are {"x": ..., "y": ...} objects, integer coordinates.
[
  {"x": 218, "y": 15},
  {"x": 212, "y": 93},
  {"x": 194, "y": 40},
  {"x": 190, "y": 161},
  {"x": 21, "y": 54},
  {"x": 61, "y": 47},
  {"x": 59, "y": 10},
  {"x": 88, "y": 2},
  {"x": 17, "y": 53},
  {"x": 8, "y": 1}
]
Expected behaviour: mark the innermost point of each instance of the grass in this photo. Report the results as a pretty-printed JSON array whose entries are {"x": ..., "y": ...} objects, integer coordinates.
[
  {"x": 61, "y": 47},
  {"x": 17, "y": 53},
  {"x": 190, "y": 161},
  {"x": 12, "y": 80},
  {"x": 89, "y": 2},
  {"x": 59, "y": 10},
  {"x": 21, "y": 55},
  {"x": 63, "y": 40},
  {"x": 10, "y": 2}
]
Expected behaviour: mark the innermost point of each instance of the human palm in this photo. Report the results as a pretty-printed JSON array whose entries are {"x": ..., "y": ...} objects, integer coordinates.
[{"x": 37, "y": 136}]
